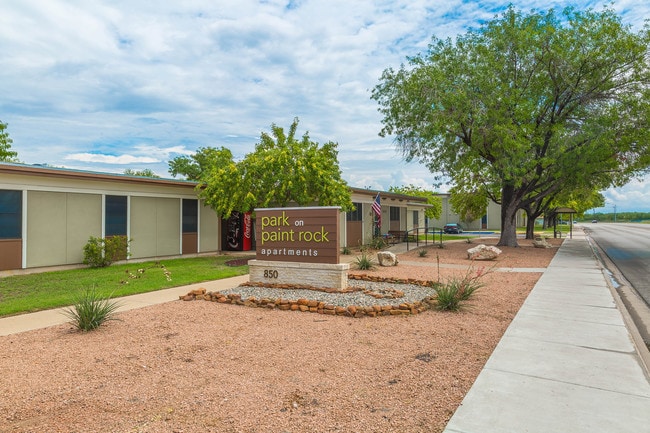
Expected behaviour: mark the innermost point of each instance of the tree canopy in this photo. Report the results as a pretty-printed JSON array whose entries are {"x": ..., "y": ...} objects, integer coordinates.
[
  {"x": 528, "y": 104},
  {"x": 142, "y": 173},
  {"x": 6, "y": 154},
  {"x": 433, "y": 199},
  {"x": 282, "y": 170}
]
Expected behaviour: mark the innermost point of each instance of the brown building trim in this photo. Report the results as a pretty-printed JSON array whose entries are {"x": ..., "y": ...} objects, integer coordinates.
[
  {"x": 65, "y": 173},
  {"x": 406, "y": 199}
]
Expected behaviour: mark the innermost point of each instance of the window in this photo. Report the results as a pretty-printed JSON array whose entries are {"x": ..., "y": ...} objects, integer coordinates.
[
  {"x": 355, "y": 215},
  {"x": 116, "y": 215},
  {"x": 11, "y": 204},
  {"x": 394, "y": 213},
  {"x": 190, "y": 215},
  {"x": 416, "y": 218}
]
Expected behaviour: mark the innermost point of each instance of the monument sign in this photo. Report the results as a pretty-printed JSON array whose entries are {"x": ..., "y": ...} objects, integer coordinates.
[{"x": 299, "y": 246}]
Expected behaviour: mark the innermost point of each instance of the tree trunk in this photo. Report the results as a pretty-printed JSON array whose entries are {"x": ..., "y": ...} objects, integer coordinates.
[
  {"x": 530, "y": 225},
  {"x": 509, "y": 206},
  {"x": 531, "y": 217}
]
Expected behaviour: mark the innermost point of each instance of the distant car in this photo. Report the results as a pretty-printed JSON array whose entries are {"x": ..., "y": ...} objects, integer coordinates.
[
  {"x": 453, "y": 229},
  {"x": 594, "y": 221}
]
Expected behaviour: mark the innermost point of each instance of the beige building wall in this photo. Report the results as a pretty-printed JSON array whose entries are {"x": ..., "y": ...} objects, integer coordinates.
[
  {"x": 59, "y": 225},
  {"x": 84, "y": 219},
  {"x": 46, "y": 228},
  {"x": 208, "y": 229},
  {"x": 155, "y": 227},
  {"x": 493, "y": 216},
  {"x": 142, "y": 229},
  {"x": 405, "y": 204},
  {"x": 63, "y": 208},
  {"x": 411, "y": 224},
  {"x": 168, "y": 226}
]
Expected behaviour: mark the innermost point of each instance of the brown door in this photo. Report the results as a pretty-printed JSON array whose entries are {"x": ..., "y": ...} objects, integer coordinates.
[
  {"x": 11, "y": 254},
  {"x": 354, "y": 236},
  {"x": 190, "y": 243}
]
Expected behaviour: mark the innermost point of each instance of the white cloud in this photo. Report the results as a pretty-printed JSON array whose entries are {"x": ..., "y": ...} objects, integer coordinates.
[
  {"x": 111, "y": 159},
  {"x": 635, "y": 196},
  {"x": 98, "y": 84}
]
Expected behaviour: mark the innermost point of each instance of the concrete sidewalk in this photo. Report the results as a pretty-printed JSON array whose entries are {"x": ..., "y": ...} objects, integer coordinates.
[{"x": 567, "y": 362}]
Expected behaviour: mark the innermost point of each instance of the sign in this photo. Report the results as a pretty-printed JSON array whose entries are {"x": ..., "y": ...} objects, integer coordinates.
[
  {"x": 247, "y": 243},
  {"x": 298, "y": 234}
]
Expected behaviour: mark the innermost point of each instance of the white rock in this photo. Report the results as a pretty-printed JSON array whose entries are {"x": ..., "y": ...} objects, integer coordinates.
[
  {"x": 386, "y": 258},
  {"x": 540, "y": 242},
  {"x": 483, "y": 252}
]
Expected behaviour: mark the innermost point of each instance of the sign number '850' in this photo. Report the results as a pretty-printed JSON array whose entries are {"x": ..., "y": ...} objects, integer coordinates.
[{"x": 270, "y": 273}]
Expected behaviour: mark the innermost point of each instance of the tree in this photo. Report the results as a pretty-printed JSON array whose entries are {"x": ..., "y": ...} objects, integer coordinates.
[
  {"x": 193, "y": 167},
  {"x": 526, "y": 101},
  {"x": 142, "y": 173},
  {"x": 282, "y": 170},
  {"x": 578, "y": 200},
  {"x": 433, "y": 199},
  {"x": 6, "y": 154}
]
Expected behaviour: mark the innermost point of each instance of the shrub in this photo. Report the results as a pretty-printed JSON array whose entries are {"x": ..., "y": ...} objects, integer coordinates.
[
  {"x": 345, "y": 251},
  {"x": 90, "y": 310},
  {"x": 450, "y": 295},
  {"x": 447, "y": 298},
  {"x": 422, "y": 253},
  {"x": 101, "y": 252},
  {"x": 364, "y": 262}
]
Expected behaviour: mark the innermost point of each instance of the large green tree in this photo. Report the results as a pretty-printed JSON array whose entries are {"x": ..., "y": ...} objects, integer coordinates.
[
  {"x": 282, "y": 170},
  {"x": 6, "y": 154},
  {"x": 526, "y": 102}
]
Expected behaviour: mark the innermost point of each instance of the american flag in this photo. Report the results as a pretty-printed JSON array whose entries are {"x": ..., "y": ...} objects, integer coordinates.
[{"x": 376, "y": 207}]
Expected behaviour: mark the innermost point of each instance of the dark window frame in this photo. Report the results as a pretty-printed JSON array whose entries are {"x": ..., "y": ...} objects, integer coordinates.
[
  {"x": 395, "y": 213},
  {"x": 356, "y": 214},
  {"x": 11, "y": 214},
  {"x": 116, "y": 215},
  {"x": 190, "y": 213}
]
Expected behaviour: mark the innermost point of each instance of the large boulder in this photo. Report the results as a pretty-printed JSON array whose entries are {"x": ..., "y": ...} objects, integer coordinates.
[
  {"x": 483, "y": 252},
  {"x": 386, "y": 258},
  {"x": 540, "y": 242}
]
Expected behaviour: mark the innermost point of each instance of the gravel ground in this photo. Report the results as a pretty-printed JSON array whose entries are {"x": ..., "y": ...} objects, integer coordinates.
[{"x": 200, "y": 366}]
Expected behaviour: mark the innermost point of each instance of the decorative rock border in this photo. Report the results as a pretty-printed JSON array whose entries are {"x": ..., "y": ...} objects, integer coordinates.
[{"x": 320, "y": 307}]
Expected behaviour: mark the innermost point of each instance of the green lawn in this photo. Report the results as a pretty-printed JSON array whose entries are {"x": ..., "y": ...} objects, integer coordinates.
[
  {"x": 445, "y": 237},
  {"x": 33, "y": 292}
]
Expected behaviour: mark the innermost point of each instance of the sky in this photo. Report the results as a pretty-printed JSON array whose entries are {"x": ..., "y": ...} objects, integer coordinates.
[{"x": 130, "y": 84}]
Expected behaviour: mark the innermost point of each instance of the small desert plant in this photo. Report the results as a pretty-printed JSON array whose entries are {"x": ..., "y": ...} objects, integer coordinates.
[
  {"x": 345, "y": 251},
  {"x": 447, "y": 298},
  {"x": 441, "y": 245},
  {"x": 422, "y": 252},
  {"x": 469, "y": 240},
  {"x": 457, "y": 289},
  {"x": 377, "y": 243},
  {"x": 90, "y": 310},
  {"x": 364, "y": 262}
]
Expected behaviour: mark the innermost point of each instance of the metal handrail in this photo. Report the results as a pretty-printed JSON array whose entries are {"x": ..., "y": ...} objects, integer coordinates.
[{"x": 416, "y": 234}]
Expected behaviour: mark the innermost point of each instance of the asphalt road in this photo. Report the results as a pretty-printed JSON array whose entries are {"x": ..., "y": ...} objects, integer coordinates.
[{"x": 628, "y": 246}]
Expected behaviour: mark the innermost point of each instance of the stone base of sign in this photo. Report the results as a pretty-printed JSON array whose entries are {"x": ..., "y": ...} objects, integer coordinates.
[{"x": 319, "y": 275}]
